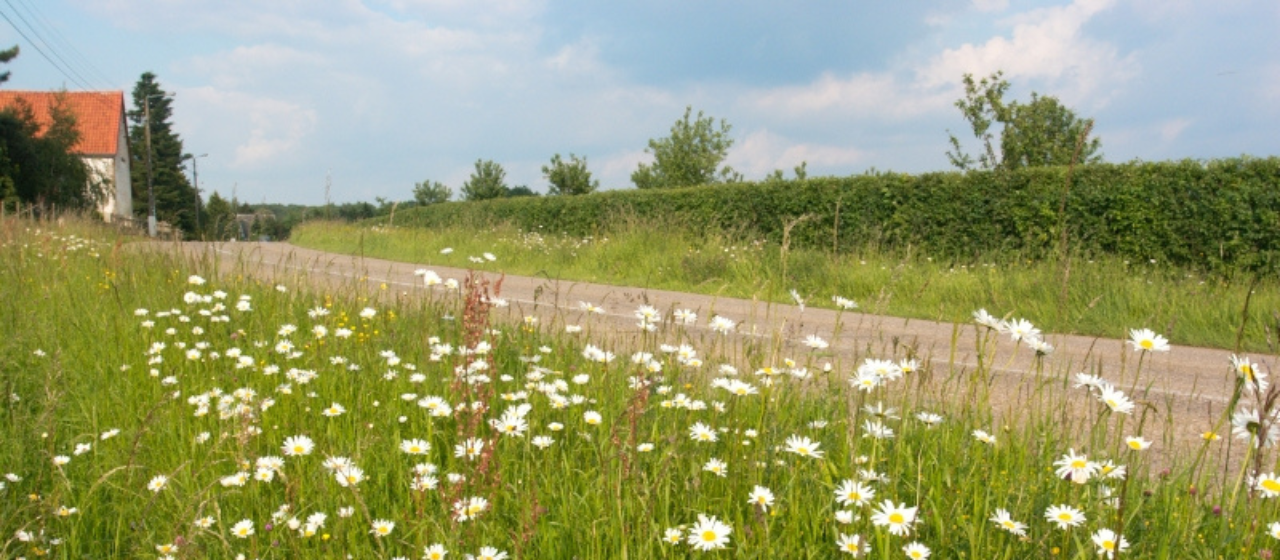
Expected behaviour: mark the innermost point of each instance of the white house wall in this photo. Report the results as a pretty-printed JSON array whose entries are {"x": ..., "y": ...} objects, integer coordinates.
[
  {"x": 102, "y": 171},
  {"x": 123, "y": 182}
]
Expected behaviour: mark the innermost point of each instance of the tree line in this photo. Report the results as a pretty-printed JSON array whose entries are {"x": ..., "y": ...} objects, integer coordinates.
[{"x": 1011, "y": 135}]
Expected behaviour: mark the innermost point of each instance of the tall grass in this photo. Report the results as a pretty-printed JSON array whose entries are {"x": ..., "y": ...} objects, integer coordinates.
[
  {"x": 101, "y": 338},
  {"x": 1104, "y": 294}
]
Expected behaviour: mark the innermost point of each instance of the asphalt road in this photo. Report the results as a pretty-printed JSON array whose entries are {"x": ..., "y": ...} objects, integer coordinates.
[{"x": 1187, "y": 388}]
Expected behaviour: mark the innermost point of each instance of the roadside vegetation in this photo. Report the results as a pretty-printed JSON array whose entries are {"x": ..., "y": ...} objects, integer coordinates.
[
  {"x": 1102, "y": 295},
  {"x": 156, "y": 408}
]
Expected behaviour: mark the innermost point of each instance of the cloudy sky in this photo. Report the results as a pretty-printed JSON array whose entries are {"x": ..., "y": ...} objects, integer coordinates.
[{"x": 381, "y": 94}]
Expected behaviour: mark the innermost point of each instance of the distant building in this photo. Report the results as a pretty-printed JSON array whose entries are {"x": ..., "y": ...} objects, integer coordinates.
[
  {"x": 103, "y": 144},
  {"x": 245, "y": 223}
]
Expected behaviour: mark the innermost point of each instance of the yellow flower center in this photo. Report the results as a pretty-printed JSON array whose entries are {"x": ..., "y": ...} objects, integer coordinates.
[
  {"x": 1271, "y": 485},
  {"x": 709, "y": 536},
  {"x": 896, "y": 518},
  {"x": 1064, "y": 516},
  {"x": 1078, "y": 464},
  {"x": 1146, "y": 344},
  {"x": 1137, "y": 445},
  {"x": 1108, "y": 545},
  {"x": 1007, "y": 524}
]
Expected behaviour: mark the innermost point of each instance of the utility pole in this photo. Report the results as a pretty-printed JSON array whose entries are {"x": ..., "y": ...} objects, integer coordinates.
[
  {"x": 151, "y": 190},
  {"x": 328, "y": 176}
]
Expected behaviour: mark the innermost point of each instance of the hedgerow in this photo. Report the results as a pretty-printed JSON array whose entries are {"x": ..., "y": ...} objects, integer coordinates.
[{"x": 1214, "y": 215}]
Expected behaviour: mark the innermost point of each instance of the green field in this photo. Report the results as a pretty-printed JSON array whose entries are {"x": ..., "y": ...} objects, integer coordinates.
[{"x": 155, "y": 408}]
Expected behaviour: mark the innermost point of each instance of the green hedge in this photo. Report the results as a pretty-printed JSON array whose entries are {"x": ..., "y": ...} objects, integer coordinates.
[{"x": 1219, "y": 214}]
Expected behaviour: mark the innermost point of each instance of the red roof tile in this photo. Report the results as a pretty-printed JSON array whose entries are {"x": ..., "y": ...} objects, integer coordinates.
[{"x": 99, "y": 115}]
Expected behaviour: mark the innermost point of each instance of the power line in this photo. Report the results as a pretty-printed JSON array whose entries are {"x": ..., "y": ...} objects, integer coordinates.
[
  {"x": 85, "y": 64},
  {"x": 78, "y": 79}
]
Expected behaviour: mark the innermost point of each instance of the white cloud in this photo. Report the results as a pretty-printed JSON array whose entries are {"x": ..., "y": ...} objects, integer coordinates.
[
  {"x": 866, "y": 95},
  {"x": 251, "y": 64},
  {"x": 762, "y": 151},
  {"x": 258, "y": 130},
  {"x": 990, "y": 5},
  {"x": 579, "y": 59},
  {"x": 614, "y": 170},
  {"x": 1170, "y": 130},
  {"x": 1045, "y": 46}
]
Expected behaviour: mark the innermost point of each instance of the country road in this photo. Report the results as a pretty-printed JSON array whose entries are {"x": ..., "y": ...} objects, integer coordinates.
[{"x": 1189, "y": 385}]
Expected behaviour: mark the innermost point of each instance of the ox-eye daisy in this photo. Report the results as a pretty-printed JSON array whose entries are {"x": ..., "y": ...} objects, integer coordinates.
[
  {"x": 1004, "y": 521},
  {"x": 1109, "y": 543},
  {"x": 916, "y": 551},
  {"x": 709, "y": 533},
  {"x": 853, "y": 545},
  {"x": 1148, "y": 340},
  {"x": 854, "y": 493},
  {"x": 761, "y": 496},
  {"x": 297, "y": 446},
  {"x": 382, "y": 527},
  {"x": 434, "y": 552},
  {"x": 897, "y": 518},
  {"x": 1065, "y": 516},
  {"x": 242, "y": 529},
  {"x": 804, "y": 447}
]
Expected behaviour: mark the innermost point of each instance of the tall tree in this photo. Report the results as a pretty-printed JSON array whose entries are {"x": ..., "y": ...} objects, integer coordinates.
[
  {"x": 690, "y": 156},
  {"x": 175, "y": 198},
  {"x": 220, "y": 222},
  {"x": 486, "y": 182},
  {"x": 65, "y": 176},
  {"x": 569, "y": 177},
  {"x": 5, "y": 56},
  {"x": 1042, "y": 132}
]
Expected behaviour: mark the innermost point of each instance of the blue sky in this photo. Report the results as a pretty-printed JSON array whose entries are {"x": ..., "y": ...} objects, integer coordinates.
[{"x": 385, "y": 93}]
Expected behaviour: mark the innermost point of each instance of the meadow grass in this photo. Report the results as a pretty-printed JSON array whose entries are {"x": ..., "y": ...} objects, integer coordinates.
[
  {"x": 153, "y": 405},
  {"x": 1102, "y": 296}
]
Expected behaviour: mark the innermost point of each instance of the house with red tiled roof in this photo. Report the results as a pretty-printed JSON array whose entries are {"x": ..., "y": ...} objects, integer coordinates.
[{"x": 103, "y": 144}]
